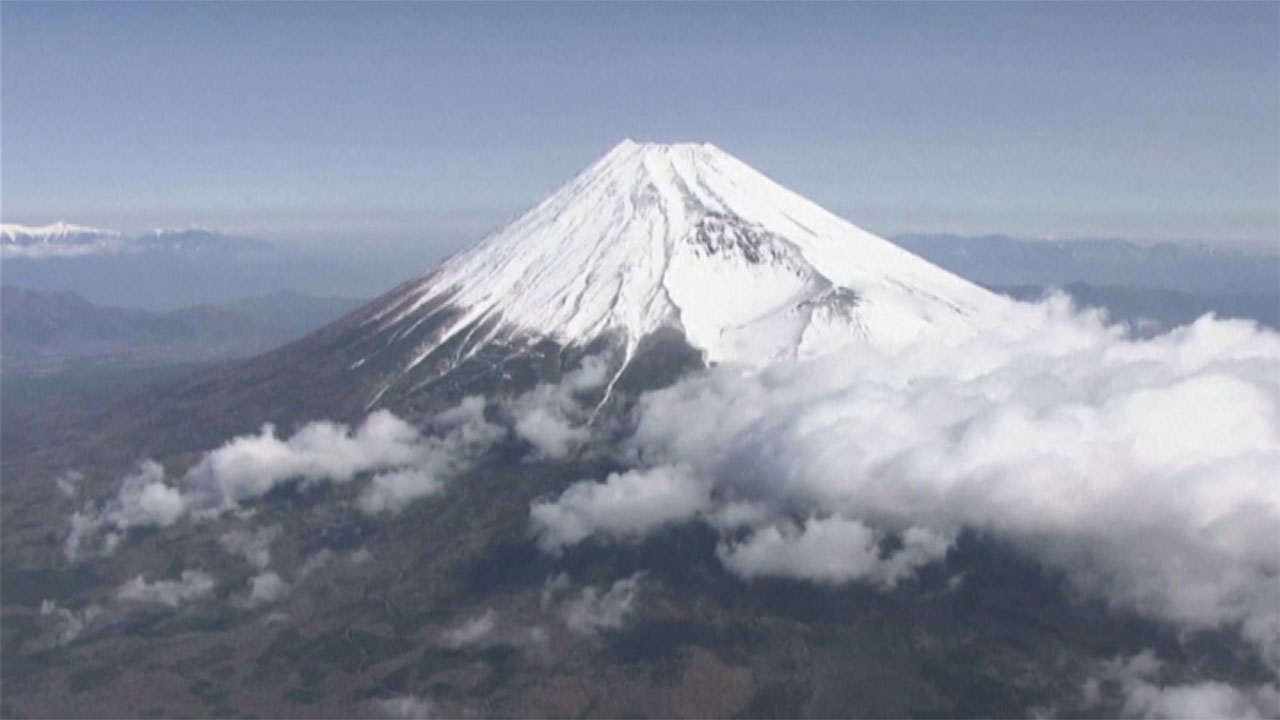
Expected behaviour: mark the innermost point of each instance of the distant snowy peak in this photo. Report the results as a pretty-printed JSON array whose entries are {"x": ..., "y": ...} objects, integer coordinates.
[
  {"x": 194, "y": 239},
  {"x": 168, "y": 233},
  {"x": 689, "y": 237},
  {"x": 59, "y": 239},
  {"x": 64, "y": 240},
  {"x": 52, "y": 233}
]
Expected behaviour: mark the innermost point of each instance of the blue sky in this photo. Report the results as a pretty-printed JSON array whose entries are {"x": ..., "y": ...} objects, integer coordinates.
[{"x": 422, "y": 125}]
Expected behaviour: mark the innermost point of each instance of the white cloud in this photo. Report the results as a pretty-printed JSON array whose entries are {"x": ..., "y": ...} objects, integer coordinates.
[
  {"x": 391, "y": 491},
  {"x": 552, "y": 589},
  {"x": 537, "y": 640},
  {"x": 71, "y": 624},
  {"x": 406, "y": 707},
  {"x": 264, "y": 588},
  {"x": 254, "y": 547},
  {"x": 830, "y": 550},
  {"x": 144, "y": 498},
  {"x": 550, "y": 433},
  {"x": 1143, "y": 470},
  {"x": 627, "y": 505},
  {"x": 193, "y": 585},
  {"x": 316, "y": 562},
  {"x": 68, "y": 482},
  {"x": 591, "y": 612},
  {"x": 1209, "y": 699},
  {"x": 472, "y": 631},
  {"x": 551, "y": 417},
  {"x": 1137, "y": 681},
  {"x": 249, "y": 466},
  {"x": 464, "y": 436}
]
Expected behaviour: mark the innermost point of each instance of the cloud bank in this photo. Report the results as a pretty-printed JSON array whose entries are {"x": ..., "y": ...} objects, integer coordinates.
[{"x": 1143, "y": 470}]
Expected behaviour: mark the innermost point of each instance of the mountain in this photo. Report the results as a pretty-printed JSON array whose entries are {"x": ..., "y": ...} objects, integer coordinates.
[
  {"x": 1003, "y": 260},
  {"x": 690, "y": 238},
  {"x": 344, "y": 526},
  {"x": 655, "y": 242}
]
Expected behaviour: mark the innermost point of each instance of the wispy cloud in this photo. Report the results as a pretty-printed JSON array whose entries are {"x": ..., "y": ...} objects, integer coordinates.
[
  {"x": 592, "y": 612},
  {"x": 70, "y": 623},
  {"x": 192, "y": 585},
  {"x": 472, "y": 631}
]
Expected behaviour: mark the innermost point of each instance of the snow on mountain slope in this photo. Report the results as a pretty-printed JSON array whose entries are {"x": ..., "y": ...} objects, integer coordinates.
[{"x": 687, "y": 236}]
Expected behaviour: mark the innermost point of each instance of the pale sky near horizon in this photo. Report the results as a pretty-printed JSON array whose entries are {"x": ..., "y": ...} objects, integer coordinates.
[{"x": 430, "y": 123}]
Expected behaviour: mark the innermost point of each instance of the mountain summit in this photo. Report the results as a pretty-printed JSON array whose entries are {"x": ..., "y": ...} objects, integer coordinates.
[{"x": 684, "y": 236}]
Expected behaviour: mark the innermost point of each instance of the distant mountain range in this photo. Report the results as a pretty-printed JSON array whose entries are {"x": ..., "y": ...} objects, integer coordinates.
[
  {"x": 1002, "y": 260},
  {"x": 173, "y": 268},
  {"x": 44, "y": 332},
  {"x": 61, "y": 240},
  {"x": 1150, "y": 312},
  {"x": 166, "y": 270}
]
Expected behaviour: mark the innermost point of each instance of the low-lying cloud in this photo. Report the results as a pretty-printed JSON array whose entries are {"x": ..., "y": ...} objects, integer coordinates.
[
  {"x": 192, "y": 585},
  {"x": 1136, "y": 680},
  {"x": 472, "y": 631},
  {"x": 70, "y": 624},
  {"x": 250, "y": 466},
  {"x": 1143, "y": 470},
  {"x": 592, "y": 612},
  {"x": 263, "y": 589},
  {"x": 405, "y": 707},
  {"x": 254, "y": 547},
  {"x": 552, "y": 417},
  {"x": 830, "y": 550},
  {"x": 410, "y": 466},
  {"x": 627, "y": 505},
  {"x": 462, "y": 436}
]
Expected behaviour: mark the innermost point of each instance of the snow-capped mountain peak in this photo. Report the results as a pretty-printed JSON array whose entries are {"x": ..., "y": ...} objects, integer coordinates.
[
  {"x": 53, "y": 232},
  {"x": 59, "y": 239},
  {"x": 689, "y": 237}
]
